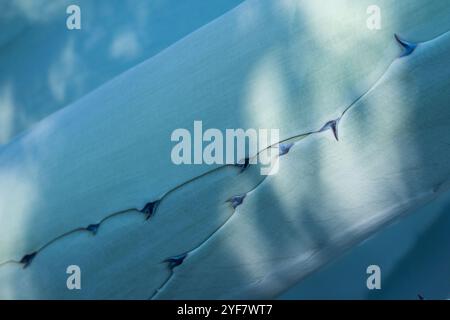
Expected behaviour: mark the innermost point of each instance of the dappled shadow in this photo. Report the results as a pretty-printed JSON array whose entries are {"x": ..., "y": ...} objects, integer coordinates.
[
  {"x": 345, "y": 277},
  {"x": 271, "y": 82}
]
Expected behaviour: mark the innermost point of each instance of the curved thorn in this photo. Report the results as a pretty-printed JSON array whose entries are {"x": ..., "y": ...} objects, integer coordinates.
[
  {"x": 244, "y": 165},
  {"x": 284, "y": 148},
  {"x": 27, "y": 259},
  {"x": 93, "y": 228},
  {"x": 236, "y": 200},
  {"x": 150, "y": 209},
  {"x": 408, "y": 47},
  {"x": 333, "y": 125},
  {"x": 175, "y": 260}
]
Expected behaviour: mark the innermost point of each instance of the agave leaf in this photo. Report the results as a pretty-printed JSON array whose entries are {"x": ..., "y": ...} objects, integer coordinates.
[
  {"x": 328, "y": 195},
  {"x": 286, "y": 65}
]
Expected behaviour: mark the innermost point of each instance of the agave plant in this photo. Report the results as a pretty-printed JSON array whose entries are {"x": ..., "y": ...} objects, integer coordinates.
[{"x": 364, "y": 139}]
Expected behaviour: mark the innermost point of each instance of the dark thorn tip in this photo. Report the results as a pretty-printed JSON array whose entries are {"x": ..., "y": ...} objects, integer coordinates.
[
  {"x": 27, "y": 259},
  {"x": 408, "y": 47},
  {"x": 237, "y": 200},
  {"x": 150, "y": 209},
  {"x": 244, "y": 165},
  {"x": 175, "y": 261},
  {"x": 333, "y": 125},
  {"x": 284, "y": 148},
  {"x": 93, "y": 228}
]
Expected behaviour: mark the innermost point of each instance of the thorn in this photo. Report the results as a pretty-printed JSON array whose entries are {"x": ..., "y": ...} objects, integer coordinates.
[
  {"x": 333, "y": 125},
  {"x": 175, "y": 261},
  {"x": 27, "y": 259},
  {"x": 284, "y": 148},
  {"x": 150, "y": 209},
  {"x": 236, "y": 200},
  {"x": 93, "y": 228},
  {"x": 408, "y": 47},
  {"x": 244, "y": 165}
]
